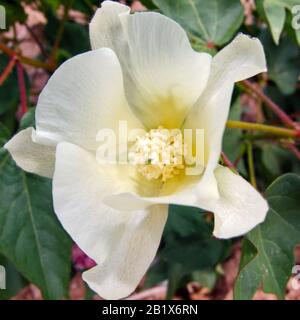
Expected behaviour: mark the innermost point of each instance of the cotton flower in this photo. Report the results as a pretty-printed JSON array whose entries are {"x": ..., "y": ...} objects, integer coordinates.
[{"x": 142, "y": 69}]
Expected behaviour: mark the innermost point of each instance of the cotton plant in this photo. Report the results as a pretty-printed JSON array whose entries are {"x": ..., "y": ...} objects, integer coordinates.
[{"x": 142, "y": 70}]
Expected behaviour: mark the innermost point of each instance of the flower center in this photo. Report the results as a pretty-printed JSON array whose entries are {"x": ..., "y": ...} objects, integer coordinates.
[{"x": 159, "y": 154}]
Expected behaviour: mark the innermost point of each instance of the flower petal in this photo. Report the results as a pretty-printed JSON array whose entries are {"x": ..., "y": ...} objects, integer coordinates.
[
  {"x": 240, "y": 207},
  {"x": 123, "y": 244},
  {"x": 120, "y": 274},
  {"x": 163, "y": 75},
  {"x": 84, "y": 95},
  {"x": 31, "y": 156},
  {"x": 183, "y": 193},
  {"x": 242, "y": 58},
  {"x": 105, "y": 27}
]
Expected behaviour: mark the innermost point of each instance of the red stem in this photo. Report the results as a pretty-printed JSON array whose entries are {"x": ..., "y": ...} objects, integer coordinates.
[
  {"x": 237, "y": 160},
  {"x": 226, "y": 161},
  {"x": 50, "y": 66},
  {"x": 22, "y": 87},
  {"x": 285, "y": 119},
  {"x": 293, "y": 149},
  {"x": 8, "y": 69}
]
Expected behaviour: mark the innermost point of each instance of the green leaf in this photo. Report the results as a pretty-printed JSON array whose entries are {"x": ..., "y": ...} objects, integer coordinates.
[
  {"x": 9, "y": 120},
  {"x": 14, "y": 280},
  {"x": 157, "y": 273},
  {"x": 232, "y": 139},
  {"x": 189, "y": 241},
  {"x": 208, "y": 21},
  {"x": 268, "y": 251},
  {"x": 207, "y": 278},
  {"x": 30, "y": 234},
  {"x": 28, "y": 120},
  {"x": 149, "y": 4},
  {"x": 9, "y": 90},
  {"x": 194, "y": 252},
  {"x": 248, "y": 279},
  {"x": 10, "y": 97},
  {"x": 270, "y": 159},
  {"x": 294, "y": 33},
  {"x": 175, "y": 277},
  {"x": 275, "y": 13},
  {"x": 75, "y": 38},
  {"x": 283, "y": 63},
  {"x": 4, "y": 134},
  {"x": 188, "y": 246},
  {"x": 184, "y": 221},
  {"x": 297, "y": 34}
]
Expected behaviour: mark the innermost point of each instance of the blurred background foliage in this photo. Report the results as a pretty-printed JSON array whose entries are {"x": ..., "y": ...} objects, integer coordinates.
[{"x": 191, "y": 263}]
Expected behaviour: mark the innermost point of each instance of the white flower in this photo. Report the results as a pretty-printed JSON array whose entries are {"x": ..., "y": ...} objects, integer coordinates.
[{"x": 142, "y": 69}]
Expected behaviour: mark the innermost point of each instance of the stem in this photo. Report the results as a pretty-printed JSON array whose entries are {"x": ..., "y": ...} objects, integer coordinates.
[
  {"x": 8, "y": 69},
  {"x": 251, "y": 164},
  {"x": 35, "y": 63},
  {"x": 226, "y": 161},
  {"x": 37, "y": 40},
  {"x": 277, "y": 131},
  {"x": 61, "y": 30},
  {"x": 293, "y": 149},
  {"x": 285, "y": 119},
  {"x": 22, "y": 88},
  {"x": 262, "y": 136}
]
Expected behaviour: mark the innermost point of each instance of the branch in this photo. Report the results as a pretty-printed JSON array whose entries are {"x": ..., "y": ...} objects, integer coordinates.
[
  {"x": 251, "y": 164},
  {"x": 285, "y": 119},
  {"x": 277, "y": 131},
  {"x": 22, "y": 87},
  {"x": 227, "y": 162},
  {"x": 61, "y": 30},
  {"x": 291, "y": 146},
  {"x": 35, "y": 63},
  {"x": 37, "y": 40},
  {"x": 8, "y": 69}
]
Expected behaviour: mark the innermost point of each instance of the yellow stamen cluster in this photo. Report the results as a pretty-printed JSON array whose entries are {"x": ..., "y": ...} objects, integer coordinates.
[{"x": 159, "y": 154}]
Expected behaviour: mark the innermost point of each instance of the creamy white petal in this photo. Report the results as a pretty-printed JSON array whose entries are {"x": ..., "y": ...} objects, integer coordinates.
[
  {"x": 79, "y": 184},
  {"x": 31, "y": 156},
  {"x": 84, "y": 95},
  {"x": 120, "y": 274},
  {"x": 240, "y": 207},
  {"x": 105, "y": 27},
  {"x": 181, "y": 192},
  {"x": 163, "y": 75},
  {"x": 242, "y": 58},
  {"x": 123, "y": 244}
]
